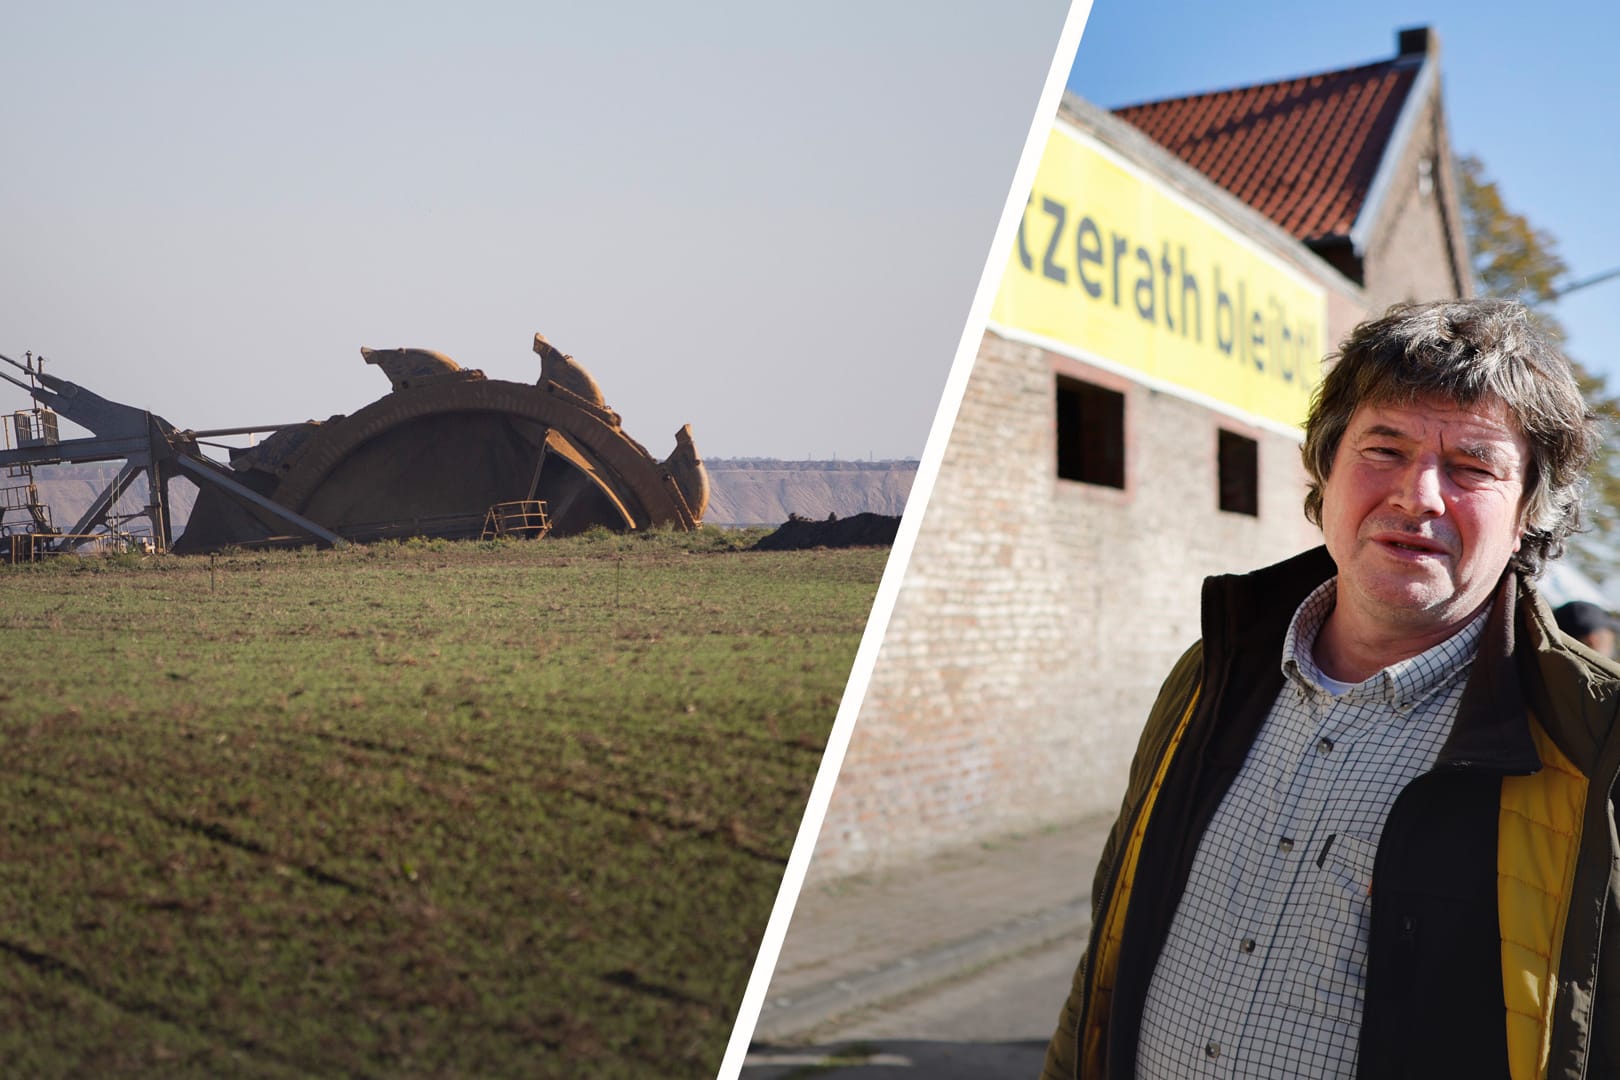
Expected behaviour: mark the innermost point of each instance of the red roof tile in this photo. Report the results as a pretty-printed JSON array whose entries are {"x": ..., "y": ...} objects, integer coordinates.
[{"x": 1303, "y": 152}]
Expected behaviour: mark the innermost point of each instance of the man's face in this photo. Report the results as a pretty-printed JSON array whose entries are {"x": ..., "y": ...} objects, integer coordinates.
[{"x": 1422, "y": 511}]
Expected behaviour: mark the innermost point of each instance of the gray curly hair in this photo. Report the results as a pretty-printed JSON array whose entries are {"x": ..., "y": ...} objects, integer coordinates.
[{"x": 1466, "y": 351}]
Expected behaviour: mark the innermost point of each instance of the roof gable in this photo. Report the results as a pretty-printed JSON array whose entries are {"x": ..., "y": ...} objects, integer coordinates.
[{"x": 1304, "y": 152}]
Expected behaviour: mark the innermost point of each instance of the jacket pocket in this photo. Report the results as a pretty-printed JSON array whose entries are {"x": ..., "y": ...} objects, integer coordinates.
[{"x": 1331, "y": 920}]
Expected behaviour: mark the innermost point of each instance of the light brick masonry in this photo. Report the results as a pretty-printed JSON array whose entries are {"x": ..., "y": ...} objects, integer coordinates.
[{"x": 1038, "y": 615}]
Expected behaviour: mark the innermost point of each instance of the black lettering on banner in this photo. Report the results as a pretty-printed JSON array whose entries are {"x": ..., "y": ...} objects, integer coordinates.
[
  {"x": 1121, "y": 246},
  {"x": 1287, "y": 360},
  {"x": 1059, "y": 214},
  {"x": 1260, "y": 338},
  {"x": 1164, "y": 264},
  {"x": 1088, "y": 249},
  {"x": 1243, "y": 321},
  {"x": 1145, "y": 284},
  {"x": 1307, "y": 350},
  {"x": 1257, "y": 339},
  {"x": 1023, "y": 244},
  {"x": 1189, "y": 283},
  {"x": 1225, "y": 321}
]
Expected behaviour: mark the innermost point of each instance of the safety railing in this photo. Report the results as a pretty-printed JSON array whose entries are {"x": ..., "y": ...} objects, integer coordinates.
[{"x": 523, "y": 517}]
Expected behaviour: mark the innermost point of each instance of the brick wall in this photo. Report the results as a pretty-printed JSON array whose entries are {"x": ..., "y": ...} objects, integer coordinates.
[
  {"x": 1410, "y": 254},
  {"x": 1038, "y": 616}
]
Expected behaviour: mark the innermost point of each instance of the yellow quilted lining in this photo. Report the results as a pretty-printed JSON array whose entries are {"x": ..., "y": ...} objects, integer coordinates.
[
  {"x": 1105, "y": 964},
  {"x": 1539, "y": 834}
]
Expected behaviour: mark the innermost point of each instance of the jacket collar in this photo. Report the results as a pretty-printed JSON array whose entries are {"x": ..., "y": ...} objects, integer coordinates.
[
  {"x": 1252, "y": 611},
  {"x": 1571, "y": 690},
  {"x": 1492, "y": 730}
]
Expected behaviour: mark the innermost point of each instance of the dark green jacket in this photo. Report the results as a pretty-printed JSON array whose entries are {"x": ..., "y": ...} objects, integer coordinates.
[{"x": 1447, "y": 901}]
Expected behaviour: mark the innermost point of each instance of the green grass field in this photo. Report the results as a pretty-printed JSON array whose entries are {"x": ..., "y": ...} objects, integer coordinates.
[{"x": 419, "y": 809}]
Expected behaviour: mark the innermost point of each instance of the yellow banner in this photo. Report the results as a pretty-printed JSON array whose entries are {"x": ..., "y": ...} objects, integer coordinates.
[{"x": 1111, "y": 263}]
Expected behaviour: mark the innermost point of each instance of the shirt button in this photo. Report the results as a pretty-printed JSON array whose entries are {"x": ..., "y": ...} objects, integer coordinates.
[
  {"x": 1324, "y": 746},
  {"x": 1247, "y": 944},
  {"x": 1212, "y": 1049},
  {"x": 1285, "y": 845}
]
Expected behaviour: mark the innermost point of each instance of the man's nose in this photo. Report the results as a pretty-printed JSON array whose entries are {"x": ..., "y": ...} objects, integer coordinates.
[{"x": 1417, "y": 491}]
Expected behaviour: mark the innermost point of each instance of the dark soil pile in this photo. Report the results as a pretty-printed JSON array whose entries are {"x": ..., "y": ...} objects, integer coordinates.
[{"x": 858, "y": 530}]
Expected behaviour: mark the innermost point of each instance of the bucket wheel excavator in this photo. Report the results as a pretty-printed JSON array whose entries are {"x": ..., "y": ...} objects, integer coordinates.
[{"x": 444, "y": 446}]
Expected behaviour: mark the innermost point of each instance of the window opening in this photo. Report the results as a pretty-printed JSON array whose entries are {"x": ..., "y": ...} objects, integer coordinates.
[
  {"x": 1090, "y": 434},
  {"x": 1239, "y": 470}
]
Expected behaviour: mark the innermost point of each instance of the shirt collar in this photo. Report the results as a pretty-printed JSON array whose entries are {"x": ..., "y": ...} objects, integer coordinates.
[{"x": 1402, "y": 685}]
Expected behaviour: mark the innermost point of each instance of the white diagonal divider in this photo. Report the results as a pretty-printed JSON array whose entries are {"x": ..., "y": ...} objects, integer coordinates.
[{"x": 900, "y": 555}]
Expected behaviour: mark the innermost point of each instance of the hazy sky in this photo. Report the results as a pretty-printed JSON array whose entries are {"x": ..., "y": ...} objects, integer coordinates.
[
  {"x": 1530, "y": 91},
  {"x": 766, "y": 220}
]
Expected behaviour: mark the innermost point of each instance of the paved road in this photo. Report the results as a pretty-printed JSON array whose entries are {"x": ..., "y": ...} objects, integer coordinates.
[
  {"x": 954, "y": 968},
  {"x": 986, "y": 1025}
]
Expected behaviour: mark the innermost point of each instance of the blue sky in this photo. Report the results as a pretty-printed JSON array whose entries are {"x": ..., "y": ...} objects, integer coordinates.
[
  {"x": 1529, "y": 90},
  {"x": 766, "y": 220}
]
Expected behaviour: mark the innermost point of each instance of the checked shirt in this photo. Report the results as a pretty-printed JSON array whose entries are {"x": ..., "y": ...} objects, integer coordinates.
[{"x": 1262, "y": 972}]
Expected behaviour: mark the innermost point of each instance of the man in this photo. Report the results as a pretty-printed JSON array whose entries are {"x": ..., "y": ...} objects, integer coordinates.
[
  {"x": 1588, "y": 624},
  {"x": 1369, "y": 829}
]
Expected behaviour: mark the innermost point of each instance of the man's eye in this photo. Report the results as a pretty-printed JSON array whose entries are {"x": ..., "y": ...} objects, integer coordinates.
[{"x": 1387, "y": 453}]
